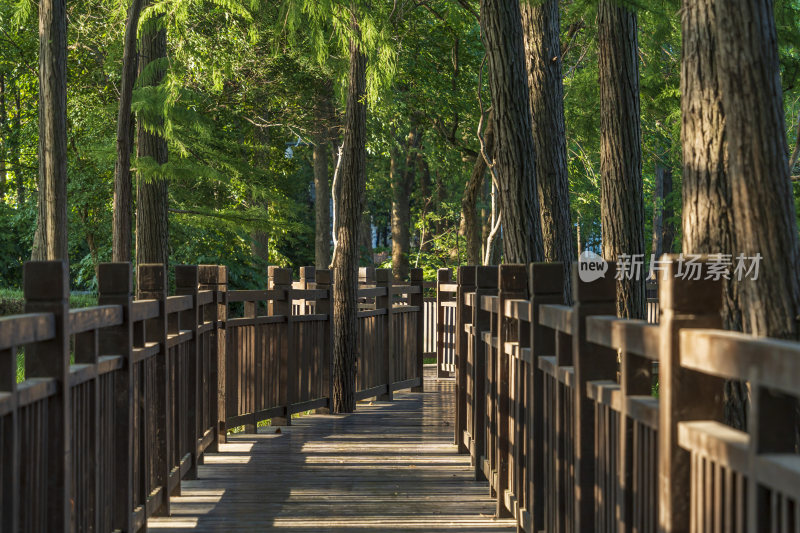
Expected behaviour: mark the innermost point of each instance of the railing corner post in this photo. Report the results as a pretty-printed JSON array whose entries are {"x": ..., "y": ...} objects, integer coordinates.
[
  {"x": 418, "y": 299},
  {"x": 115, "y": 287},
  {"x": 46, "y": 289},
  {"x": 151, "y": 284},
  {"x": 683, "y": 394},
  {"x": 280, "y": 279},
  {"x": 591, "y": 362},
  {"x": 443, "y": 275},
  {"x": 215, "y": 278},
  {"x": 466, "y": 284},
  {"x": 324, "y": 306},
  {"x": 187, "y": 282},
  {"x": 383, "y": 279}
]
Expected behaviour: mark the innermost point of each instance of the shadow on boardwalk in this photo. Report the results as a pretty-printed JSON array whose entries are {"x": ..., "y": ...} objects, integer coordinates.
[{"x": 389, "y": 467}]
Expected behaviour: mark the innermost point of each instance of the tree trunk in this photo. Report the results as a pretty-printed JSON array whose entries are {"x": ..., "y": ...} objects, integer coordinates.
[
  {"x": 470, "y": 224},
  {"x": 622, "y": 204},
  {"x": 50, "y": 240},
  {"x": 350, "y": 200},
  {"x": 542, "y": 24},
  {"x": 365, "y": 240},
  {"x": 322, "y": 188},
  {"x": 402, "y": 181},
  {"x": 515, "y": 161},
  {"x": 668, "y": 231},
  {"x": 152, "y": 222},
  {"x": 761, "y": 191},
  {"x": 14, "y": 146},
  {"x": 3, "y": 136},
  {"x": 322, "y": 208},
  {"x": 657, "y": 243},
  {"x": 122, "y": 224},
  {"x": 425, "y": 237},
  {"x": 708, "y": 222}
]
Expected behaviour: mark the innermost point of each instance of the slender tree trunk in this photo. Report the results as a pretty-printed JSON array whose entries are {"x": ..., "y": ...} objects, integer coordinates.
[
  {"x": 668, "y": 231},
  {"x": 657, "y": 243},
  {"x": 322, "y": 188},
  {"x": 402, "y": 181},
  {"x": 14, "y": 146},
  {"x": 322, "y": 248},
  {"x": 758, "y": 169},
  {"x": 425, "y": 195},
  {"x": 350, "y": 200},
  {"x": 541, "y": 22},
  {"x": 365, "y": 240},
  {"x": 471, "y": 226},
  {"x": 122, "y": 223},
  {"x": 622, "y": 204},
  {"x": 50, "y": 240},
  {"x": 515, "y": 161},
  {"x": 3, "y": 136},
  {"x": 152, "y": 220}
]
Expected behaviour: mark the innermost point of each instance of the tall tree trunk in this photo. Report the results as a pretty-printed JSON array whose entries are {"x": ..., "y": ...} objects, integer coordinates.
[
  {"x": 470, "y": 224},
  {"x": 402, "y": 181},
  {"x": 152, "y": 219},
  {"x": 365, "y": 240},
  {"x": 14, "y": 146},
  {"x": 350, "y": 198},
  {"x": 322, "y": 188},
  {"x": 425, "y": 238},
  {"x": 542, "y": 24},
  {"x": 515, "y": 161},
  {"x": 657, "y": 243},
  {"x": 668, "y": 232},
  {"x": 50, "y": 240},
  {"x": 3, "y": 136},
  {"x": 758, "y": 169},
  {"x": 122, "y": 223},
  {"x": 707, "y": 214},
  {"x": 622, "y": 203},
  {"x": 322, "y": 208}
]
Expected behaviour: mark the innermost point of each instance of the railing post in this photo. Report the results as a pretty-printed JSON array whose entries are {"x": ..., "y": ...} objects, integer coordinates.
[
  {"x": 307, "y": 281},
  {"x": 324, "y": 307},
  {"x": 591, "y": 362},
  {"x": 187, "y": 282},
  {"x": 115, "y": 287},
  {"x": 512, "y": 283},
  {"x": 546, "y": 282},
  {"x": 152, "y": 285},
  {"x": 683, "y": 394},
  {"x": 485, "y": 285},
  {"x": 466, "y": 283},
  {"x": 47, "y": 291},
  {"x": 383, "y": 279},
  {"x": 418, "y": 300},
  {"x": 280, "y": 279},
  {"x": 215, "y": 278},
  {"x": 444, "y": 275}
]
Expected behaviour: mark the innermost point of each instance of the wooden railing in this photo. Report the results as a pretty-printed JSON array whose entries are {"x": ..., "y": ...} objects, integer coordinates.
[
  {"x": 565, "y": 414},
  {"x": 121, "y": 401}
]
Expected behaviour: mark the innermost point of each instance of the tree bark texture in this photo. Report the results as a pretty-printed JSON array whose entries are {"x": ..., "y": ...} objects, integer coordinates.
[
  {"x": 515, "y": 160},
  {"x": 350, "y": 198},
  {"x": 541, "y": 22},
  {"x": 471, "y": 225},
  {"x": 152, "y": 203},
  {"x": 50, "y": 240},
  {"x": 14, "y": 146},
  {"x": 426, "y": 241},
  {"x": 3, "y": 136},
  {"x": 322, "y": 186},
  {"x": 622, "y": 203},
  {"x": 122, "y": 216},
  {"x": 402, "y": 182},
  {"x": 758, "y": 169}
]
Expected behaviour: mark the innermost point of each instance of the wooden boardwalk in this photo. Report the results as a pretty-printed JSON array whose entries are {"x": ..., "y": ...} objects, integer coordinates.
[{"x": 389, "y": 467}]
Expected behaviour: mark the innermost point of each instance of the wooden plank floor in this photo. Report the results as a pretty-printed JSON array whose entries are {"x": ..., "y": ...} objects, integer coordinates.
[{"x": 388, "y": 467}]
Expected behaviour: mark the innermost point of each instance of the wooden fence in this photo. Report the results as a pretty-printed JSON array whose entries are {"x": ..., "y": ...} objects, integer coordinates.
[
  {"x": 561, "y": 413},
  {"x": 121, "y": 401}
]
